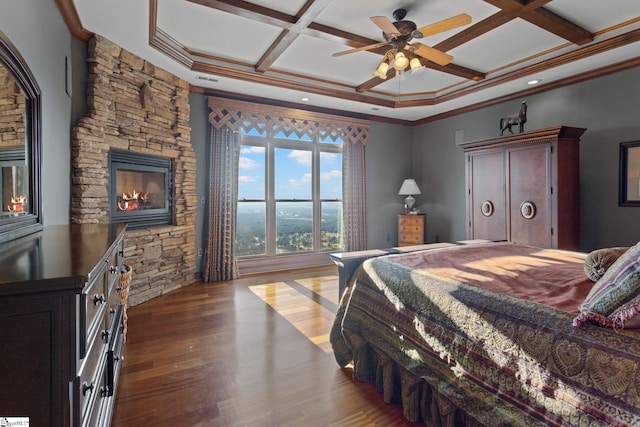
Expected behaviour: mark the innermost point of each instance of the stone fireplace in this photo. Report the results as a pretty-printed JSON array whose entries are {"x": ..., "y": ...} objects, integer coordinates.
[{"x": 141, "y": 112}]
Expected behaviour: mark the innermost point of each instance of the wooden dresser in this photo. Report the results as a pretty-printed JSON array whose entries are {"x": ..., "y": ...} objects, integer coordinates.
[
  {"x": 525, "y": 188},
  {"x": 411, "y": 229},
  {"x": 61, "y": 333}
]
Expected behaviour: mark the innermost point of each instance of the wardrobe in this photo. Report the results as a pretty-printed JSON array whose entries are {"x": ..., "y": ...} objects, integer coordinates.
[{"x": 524, "y": 188}]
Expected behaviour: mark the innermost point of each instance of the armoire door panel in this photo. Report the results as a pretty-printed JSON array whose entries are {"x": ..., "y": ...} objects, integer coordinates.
[
  {"x": 488, "y": 207},
  {"x": 529, "y": 195}
]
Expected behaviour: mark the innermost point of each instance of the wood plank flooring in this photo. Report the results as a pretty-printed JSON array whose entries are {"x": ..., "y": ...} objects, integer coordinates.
[{"x": 251, "y": 352}]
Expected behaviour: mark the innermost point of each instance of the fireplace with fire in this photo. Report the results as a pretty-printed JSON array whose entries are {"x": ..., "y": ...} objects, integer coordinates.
[{"x": 140, "y": 189}]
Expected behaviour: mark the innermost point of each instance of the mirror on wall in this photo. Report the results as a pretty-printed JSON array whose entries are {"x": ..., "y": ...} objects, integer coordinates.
[{"x": 20, "y": 213}]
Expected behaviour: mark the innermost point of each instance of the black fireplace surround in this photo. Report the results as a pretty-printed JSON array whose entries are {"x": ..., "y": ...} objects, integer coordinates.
[{"x": 140, "y": 189}]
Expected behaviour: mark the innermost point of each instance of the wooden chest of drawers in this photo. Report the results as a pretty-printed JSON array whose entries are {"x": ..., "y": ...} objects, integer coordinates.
[
  {"x": 411, "y": 229},
  {"x": 62, "y": 324}
]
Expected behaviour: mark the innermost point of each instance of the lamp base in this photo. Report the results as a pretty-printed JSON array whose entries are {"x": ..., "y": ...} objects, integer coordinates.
[{"x": 409, "y": 201}]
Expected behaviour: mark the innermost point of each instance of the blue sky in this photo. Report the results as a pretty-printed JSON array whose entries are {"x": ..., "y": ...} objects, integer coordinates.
[{"x": 292, "y": 174}]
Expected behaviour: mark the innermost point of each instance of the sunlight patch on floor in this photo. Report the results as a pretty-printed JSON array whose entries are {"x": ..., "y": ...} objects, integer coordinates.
[{"x": 303, "y": 311}]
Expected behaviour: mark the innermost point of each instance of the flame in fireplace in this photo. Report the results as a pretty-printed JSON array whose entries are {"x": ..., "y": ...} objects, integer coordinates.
[
  {"x": 132, "y": 201},
  {"x": 17, "y": 204}
]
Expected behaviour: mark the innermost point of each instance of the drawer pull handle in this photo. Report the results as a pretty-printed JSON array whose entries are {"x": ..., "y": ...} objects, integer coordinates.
[
  {"x": 98, "y": 299},
  {"x": 104, "y": 391},
  {"x": 112, "y": 311},
  {"x": 105, "y": 335},
  {"x": 121, "y": 252},
  {"x": 113, "y": 269},
  {"x": 87, "y": 387}
]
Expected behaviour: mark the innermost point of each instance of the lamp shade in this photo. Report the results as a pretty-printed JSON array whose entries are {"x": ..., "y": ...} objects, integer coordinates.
[{"x": 409, "y": 188}]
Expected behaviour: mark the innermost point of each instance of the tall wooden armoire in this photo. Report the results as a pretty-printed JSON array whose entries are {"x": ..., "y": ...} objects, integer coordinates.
[{"x": 524, "y": 188}]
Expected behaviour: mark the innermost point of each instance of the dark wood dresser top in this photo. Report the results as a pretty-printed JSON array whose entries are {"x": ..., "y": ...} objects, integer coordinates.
[{"x": 60, "y": 257}]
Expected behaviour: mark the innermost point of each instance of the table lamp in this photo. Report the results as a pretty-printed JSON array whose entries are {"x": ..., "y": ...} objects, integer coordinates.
[{"x": 409, "y": 188}]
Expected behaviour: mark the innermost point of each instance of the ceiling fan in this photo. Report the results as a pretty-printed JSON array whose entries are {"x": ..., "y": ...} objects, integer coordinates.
[{"x": 397, "y": 36}]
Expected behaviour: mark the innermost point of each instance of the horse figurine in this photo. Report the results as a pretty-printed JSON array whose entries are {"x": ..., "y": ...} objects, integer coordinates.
[{"x": 516, "y": 119}]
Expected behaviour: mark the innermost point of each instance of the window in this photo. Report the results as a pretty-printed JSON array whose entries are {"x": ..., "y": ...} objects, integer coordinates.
[{"x": 289, "y": 193}]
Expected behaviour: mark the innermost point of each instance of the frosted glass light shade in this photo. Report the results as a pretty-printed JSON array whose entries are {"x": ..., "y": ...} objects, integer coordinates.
[
  {"x": 416, "y": 67},
  {"x": 400, "y": 61},
  {"x": 381, "y": 71}
]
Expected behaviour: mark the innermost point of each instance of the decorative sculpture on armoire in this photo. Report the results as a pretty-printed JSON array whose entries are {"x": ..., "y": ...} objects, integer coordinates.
[{"x": 516, "y": 119}]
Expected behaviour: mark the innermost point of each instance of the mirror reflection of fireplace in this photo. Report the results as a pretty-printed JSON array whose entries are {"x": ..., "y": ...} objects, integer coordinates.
[
  {"x": 140, "y": 192},
  {"x": 14, "y": 182}
]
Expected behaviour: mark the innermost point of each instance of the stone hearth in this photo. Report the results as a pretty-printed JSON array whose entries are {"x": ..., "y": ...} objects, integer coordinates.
[{"x": 133, "y": 105}]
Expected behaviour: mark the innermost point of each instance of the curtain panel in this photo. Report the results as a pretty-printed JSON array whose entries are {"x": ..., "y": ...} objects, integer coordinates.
[
  {"x": 354, "y": 201},
  {"x": 219, "y": 260}
]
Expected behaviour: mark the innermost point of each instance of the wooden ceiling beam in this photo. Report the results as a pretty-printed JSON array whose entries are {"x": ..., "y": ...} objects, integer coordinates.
[
  {"x": 534, "y": 13},
  {"x": 305, "y": 16},
  {"x": 559, "y": 26},
  {"x": 250, "y": 11},
  {"x": 474, "y": 31}
]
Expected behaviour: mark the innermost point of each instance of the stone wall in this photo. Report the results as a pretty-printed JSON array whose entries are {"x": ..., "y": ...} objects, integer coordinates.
[
  {"x": 12, "y": 111},
  {"x": 136, "y": 106}
]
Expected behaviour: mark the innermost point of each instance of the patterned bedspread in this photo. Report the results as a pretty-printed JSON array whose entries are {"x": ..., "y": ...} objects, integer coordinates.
[{"x": 483, "y": 333}]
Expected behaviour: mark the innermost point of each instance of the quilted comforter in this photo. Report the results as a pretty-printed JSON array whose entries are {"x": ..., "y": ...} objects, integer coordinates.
[{"x": 482, "y": 335}]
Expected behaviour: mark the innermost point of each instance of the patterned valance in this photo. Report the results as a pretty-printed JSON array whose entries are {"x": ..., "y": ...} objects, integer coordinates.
[{"x": 249, "y": 116}]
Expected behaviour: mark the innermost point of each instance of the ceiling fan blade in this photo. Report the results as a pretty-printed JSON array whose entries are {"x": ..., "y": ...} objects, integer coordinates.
[
  {"x": 433, "y": 55},
  {"x": 385, "y": 25},
  {"x": 359, "y": 49},
  {"x": 445, "y": 25}
]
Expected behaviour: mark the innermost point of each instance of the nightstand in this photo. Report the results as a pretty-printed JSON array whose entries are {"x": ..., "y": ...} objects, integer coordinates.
[{"x": 411, "y": 229}]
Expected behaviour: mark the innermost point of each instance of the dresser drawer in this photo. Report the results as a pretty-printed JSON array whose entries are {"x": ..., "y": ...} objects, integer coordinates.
[
  {"x": 114, "y": 263},
  {"x": 114, "y": 353},
  {"x": 410, "y": 229},
  {"x": 411, "y": 221},
  {"x": 113, "y": 304},
  {"x": 411, "y": 238},
  {"x": 91, "y": 384},
  {"x": 92, "y": 309}
]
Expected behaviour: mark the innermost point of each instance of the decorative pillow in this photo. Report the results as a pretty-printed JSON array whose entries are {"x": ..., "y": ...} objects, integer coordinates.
[
  {"x": 615, "y": 298},
  {"x": 599, "y": 261}
]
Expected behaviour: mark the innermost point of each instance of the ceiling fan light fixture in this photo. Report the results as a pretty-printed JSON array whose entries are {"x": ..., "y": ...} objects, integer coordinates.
[
  {"x": 381, "y": 71},
  {"x": 400, "y": 61}
]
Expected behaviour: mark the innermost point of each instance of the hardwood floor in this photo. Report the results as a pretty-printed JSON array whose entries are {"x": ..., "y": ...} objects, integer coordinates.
[{"x": 250, "y": 352}]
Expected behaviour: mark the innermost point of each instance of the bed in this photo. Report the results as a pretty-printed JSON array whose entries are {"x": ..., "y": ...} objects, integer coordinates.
[{"x": 486, "y": 334}]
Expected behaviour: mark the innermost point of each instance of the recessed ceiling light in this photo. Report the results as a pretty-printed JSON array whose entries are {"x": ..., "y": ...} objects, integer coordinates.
[
  {"x": 375, "y": 108},
  {"x": 534, "y": 81},
  {"x": 304, "y": 99}
]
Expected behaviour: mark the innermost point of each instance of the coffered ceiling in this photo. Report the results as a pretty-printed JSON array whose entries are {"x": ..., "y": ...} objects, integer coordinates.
[{"x": 282, "y": 51}]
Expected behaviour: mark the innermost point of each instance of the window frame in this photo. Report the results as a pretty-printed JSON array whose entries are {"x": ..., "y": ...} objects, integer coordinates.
[{"x": 270, "y": 143}]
